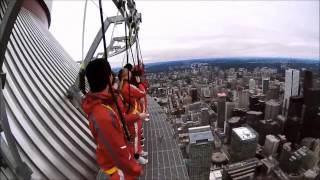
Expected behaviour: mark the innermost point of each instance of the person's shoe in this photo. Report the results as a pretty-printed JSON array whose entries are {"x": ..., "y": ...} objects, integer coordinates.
[
  {"x": 142, "y": 160},
  {"x": 144, "y": 153},
  {"x": 147, "y": 119},
  {"x": 143, "y": 139}
]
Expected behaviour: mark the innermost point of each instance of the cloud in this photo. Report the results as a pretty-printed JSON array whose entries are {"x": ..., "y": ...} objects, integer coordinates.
[{"x": 190, "y": 29}]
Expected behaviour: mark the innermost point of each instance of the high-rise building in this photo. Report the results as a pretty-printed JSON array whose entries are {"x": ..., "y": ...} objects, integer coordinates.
[
  {"x": 271, "y": 145},
  {"x": 239, "y": 112},
  {"x": 291, "y": 87},
  {"x": 265, "y": 85},
  {"x": 311, "y": 116},
  {"x": 273, "y": 92},
  {"x": 292, "y": 129},
  {"x": 272, "y": 109},
  {"x": 205, "y": 92},
  {"x": 307, "y": 81},
  {"x": 229, "y": 108},
  {"x": 194, "y": 94},
  {"x": 244, "y": 99},
  {"x": 253, "y": 101},
  {"x": 295, "y": 106},
  {"x": 200, "y": 149},
  {"x": 244, "y": 142},
  {"x": 205, "y": 117},
  {"x": 266, "y": 127},
  {"x": 221, "y": 110},
  {"x": 252, "y": 84},
  {"x": 233, "y": 122},
  {"x": 253, "y": 118}
]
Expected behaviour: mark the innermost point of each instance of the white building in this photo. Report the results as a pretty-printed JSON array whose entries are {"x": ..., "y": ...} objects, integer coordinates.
[
  {"x": 291, "y": 87},
  {"x": 252, "y": 84},
  {"x": 271, "y": 145}
]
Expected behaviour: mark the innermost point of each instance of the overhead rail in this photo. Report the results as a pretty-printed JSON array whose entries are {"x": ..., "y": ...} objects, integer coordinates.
[{"x": 132, "y": 19}]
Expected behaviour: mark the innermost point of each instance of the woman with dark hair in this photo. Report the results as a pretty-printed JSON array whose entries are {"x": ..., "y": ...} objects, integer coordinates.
[{"x": 131, "y": 94}]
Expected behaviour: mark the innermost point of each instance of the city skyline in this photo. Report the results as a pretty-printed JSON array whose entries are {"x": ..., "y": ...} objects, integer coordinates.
[{"x": 255, "y": 119}]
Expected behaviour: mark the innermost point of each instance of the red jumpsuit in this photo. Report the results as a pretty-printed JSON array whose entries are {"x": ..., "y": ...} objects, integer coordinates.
[
  {"x": 135, "y": 95},
  {"x": 112, "y": 152},
  {"x": 143, "y": 108}
]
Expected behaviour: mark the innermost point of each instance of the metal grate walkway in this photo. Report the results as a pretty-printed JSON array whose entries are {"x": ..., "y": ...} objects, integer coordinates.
[{"x": 165, "y": 158}]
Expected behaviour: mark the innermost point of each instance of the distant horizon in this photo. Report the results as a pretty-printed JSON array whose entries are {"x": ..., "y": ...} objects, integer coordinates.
[
  {"x": 235, "y": 57},
  {"x": 155, "y": 62}
]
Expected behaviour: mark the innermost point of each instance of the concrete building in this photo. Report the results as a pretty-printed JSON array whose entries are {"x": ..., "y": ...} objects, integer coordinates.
[
  {"x": 272, "y": 109},
  {"x": 271, "y": 145},
  {"x": 292, "y": 129},
  {"x": 273, "y": 92},
  {"x": 221, "y": 110},
  {"x": 265, "y": 85},
  {"x": 241, "y": 170},
  {"x": 201, "y": 144},
  {"x": 229, "y": 108},
  {"x": 244, "y": 99}
]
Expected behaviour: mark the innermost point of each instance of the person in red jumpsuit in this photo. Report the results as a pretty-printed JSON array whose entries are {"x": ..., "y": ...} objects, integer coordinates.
[
  {"x": 135, "y": 80},
  {"x": 112, "y": 152},
  {"x": 131, "y": 94},
  {"x": 143, "y": 84}
]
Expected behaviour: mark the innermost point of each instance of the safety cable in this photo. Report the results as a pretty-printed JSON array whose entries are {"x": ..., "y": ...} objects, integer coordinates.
[
  {"x": 97, "y": 6},
  {"x": 130, "y": 34},
  {"x": 134, "y": 64},
  {"x": 110, "y": 84},
  {"x": 137, "y": 50},
  {"x": 103, "y": 32},
  {"x": 127, "y": 54},
  {"x": 140, "y": 49},
  {"x": 84, "y": 28}
]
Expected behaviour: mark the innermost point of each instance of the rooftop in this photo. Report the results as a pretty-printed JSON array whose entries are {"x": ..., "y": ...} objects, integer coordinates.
[
  {"x": 200, "y": 134},
  {"x": 244, "y": 133}
]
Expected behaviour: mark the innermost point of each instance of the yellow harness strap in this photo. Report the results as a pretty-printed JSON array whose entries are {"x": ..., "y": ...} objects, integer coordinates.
[
  {"x": 109, "y": 107},
  {"x": 135, "y": 110},
  {"x": 111, "y": 170}
]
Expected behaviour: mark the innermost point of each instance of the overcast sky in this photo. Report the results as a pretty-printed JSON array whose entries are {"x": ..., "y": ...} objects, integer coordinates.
[{"x": 193, "y": 29}]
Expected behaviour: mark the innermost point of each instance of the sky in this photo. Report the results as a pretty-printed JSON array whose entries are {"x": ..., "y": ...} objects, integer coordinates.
[{"x": 172, "y": 30}]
